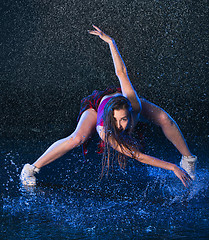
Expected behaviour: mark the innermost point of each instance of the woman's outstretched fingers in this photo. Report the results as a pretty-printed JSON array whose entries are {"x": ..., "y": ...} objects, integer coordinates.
[
  {"x": 183, "y": 176},
  {"x": 93, "y": 32},
  {"x": 101, "y": 34},
  {"x": 99, "y": 30},
  {"x": 185, "y": 181}
]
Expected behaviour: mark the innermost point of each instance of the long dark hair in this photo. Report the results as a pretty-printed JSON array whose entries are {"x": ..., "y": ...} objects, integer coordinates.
[{"x": 124, "y": 138}]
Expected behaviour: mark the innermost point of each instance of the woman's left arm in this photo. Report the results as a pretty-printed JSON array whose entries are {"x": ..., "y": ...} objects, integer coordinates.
[
  {"x": 147, "y": 159},
  {"x": 180, "y": 173},
  {"x": 120, "y": 70}
]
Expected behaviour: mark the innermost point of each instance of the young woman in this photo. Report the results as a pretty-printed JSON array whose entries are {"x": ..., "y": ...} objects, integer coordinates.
[{"x": 114, "y": 113}]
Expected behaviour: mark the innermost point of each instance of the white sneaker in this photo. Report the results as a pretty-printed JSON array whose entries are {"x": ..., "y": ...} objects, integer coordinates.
[
  {"x": 189, "y": 164},
  {"x": 27, "y": 175}
]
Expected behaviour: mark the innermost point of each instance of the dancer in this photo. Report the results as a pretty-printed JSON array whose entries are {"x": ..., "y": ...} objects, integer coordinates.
[{"x": 114, "y": 113}]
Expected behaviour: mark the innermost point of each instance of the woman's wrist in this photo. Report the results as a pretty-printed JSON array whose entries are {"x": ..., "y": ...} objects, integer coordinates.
[
  {"x": 174, "y": 167},
  {"x": 111, "y": 42}
]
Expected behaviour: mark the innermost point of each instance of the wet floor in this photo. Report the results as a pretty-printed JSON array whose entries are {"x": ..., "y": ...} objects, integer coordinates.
[{"x": 70, "y": 200}]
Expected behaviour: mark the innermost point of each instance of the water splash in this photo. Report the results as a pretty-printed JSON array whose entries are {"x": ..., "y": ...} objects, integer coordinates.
[{"x": 118, "y": 206}]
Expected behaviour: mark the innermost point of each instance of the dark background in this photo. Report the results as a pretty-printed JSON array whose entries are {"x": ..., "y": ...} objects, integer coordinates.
[{"x": 49, "y": 62}]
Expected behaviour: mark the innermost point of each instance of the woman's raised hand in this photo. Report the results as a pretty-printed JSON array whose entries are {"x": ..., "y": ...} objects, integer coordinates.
[{"x": 102, "y": 35}]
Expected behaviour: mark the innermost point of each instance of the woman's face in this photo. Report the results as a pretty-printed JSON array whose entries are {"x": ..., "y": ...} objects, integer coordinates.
[{"x": 121, "y": 119}]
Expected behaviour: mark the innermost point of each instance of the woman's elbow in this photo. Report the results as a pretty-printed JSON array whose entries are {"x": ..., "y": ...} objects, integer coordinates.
[{"x": 121, "y": 72}]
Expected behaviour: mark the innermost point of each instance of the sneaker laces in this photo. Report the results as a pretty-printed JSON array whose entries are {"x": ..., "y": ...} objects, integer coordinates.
[{"x": 35, "y": 169}]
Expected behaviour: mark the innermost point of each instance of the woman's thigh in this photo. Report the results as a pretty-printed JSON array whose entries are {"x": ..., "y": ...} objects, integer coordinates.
[
  {"x": 154, "y": 113},
  {"x": 86, "y": 125}
]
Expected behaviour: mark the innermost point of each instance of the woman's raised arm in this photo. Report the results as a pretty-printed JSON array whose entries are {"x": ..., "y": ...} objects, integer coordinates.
[{"x": 120, "y": 70}]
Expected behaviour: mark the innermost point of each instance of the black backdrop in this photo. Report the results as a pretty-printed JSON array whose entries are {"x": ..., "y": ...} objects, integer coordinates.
[{"x": 49, "y": 62}]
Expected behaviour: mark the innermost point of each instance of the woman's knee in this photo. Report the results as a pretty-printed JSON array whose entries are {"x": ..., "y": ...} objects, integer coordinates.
[
  {"x": 76, "y": 139},
  {"x": 165, "y": 120}
]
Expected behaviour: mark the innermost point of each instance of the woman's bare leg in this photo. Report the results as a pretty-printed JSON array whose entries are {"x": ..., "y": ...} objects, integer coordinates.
[
  {"x": 169, "y": 127},
  {"x": 86, "y": 126}
]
